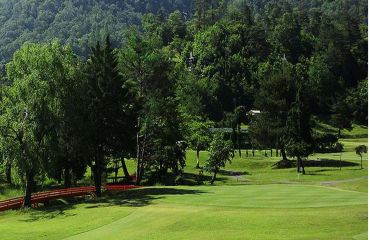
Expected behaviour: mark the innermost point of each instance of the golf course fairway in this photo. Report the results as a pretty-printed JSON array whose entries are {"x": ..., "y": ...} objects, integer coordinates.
[{"x": 272, "y": 211}]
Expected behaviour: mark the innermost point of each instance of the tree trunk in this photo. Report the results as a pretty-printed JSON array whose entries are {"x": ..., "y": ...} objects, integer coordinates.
[
  {"x": 302, "y": 166},
  {"x": 116, "y": 169},
  {"x": 97, "y": 179},
  {"x": 141, "y": 157},
  {"x": 271, "y": 152},
  {"x": 124, "y": 167},
  {"x": 361, "y": 161},
  {"x": 29, "y": 188},
  {"x": 214, "y": 177},
  {"x": 253, "y": 151},
  {"x": 67, "y": 176},
  {"x": 197, "y": 166},
  {"x": 239, "y": 145},
  {"x": 141, "y": 171},
  {"x": 283, "y": 154},
  {"x": 98, "y": 170},
  {"x": 246, "y": 152},
  {"x": 339, "y": 132},
  {"x": 138, "y": 170},
  {"x": 8, "y": 173},
  {"x": 277, "y": 152},
  {"x": 298, "y": 166}
]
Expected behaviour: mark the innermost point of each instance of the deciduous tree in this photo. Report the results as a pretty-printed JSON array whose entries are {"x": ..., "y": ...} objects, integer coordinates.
[{"x": 220, "y": 153}]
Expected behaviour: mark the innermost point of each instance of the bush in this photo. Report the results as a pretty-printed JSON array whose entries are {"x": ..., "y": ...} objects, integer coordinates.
[
  {"x": 338, "y": 147},
  {"x": 327, "y": 142}
]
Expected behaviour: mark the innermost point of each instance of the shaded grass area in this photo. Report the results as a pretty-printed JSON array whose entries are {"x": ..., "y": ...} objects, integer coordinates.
[{"x": 9, "y": 191}]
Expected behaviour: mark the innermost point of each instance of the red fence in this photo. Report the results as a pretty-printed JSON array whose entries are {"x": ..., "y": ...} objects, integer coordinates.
[{"x": 45, "y": 197}]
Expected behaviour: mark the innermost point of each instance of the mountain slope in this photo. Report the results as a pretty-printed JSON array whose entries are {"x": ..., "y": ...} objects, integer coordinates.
[{"x": 77, "y": 22}]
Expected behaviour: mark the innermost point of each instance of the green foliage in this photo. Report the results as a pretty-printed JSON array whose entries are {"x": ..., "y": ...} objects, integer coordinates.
[
  {"x": 341, "y": 117},
  {"x": 226, "y": 60},
  {"x": 286, "y": 38},
  {"x": 107, "y": 107},
  {"x": 298, "y": 139},
  {"x": 78, "y": 23},
  {"x": 360, "y": 150},
  {"x": 176, "y": 72},
  {"x": 30, "y": 106},
  {"x": 152, "y": 75},
  {"x": 65, "y": 159},
  {"x": 220, "y": 152},
  {"x": 358, "y": 102},
  {"x": 162, "y": 146},
  {"x": 274, "y": 100},
  {"x": 327, "y": 143},
  {"x": 198, "y": 134}
]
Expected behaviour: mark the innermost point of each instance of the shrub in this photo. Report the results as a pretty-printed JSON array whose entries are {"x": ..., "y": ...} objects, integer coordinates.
[{"x": 327, "y": 142}]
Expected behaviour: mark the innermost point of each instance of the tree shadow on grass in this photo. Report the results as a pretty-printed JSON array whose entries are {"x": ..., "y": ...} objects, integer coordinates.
[
  {"x": 313, "y": 173},
  {"x": 131, "y": 198},
  {"x": 192, "y": 179},
  {"x": 329, "y": 163},
  {"x": 233, "y": 173},
  {"x": 48, "y": 213},
  {"x": 144, "y": 196},
  {"x": 320, "y": 163}
]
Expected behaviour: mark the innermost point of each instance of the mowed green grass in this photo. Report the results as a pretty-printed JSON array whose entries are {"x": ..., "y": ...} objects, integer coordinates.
[
  {"x": 258, "y": 169},
  {"x": 250, "y": 200},
  {"x": 273, "y": 211}
]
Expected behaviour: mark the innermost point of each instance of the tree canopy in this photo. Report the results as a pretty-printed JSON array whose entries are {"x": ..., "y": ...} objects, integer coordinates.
[{"x": 165, "y": 75}]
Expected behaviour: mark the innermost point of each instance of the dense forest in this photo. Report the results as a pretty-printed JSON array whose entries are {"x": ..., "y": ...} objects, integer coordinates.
[
  {"x": 80, "y": 23},
  {"x": 103, "y": 92},
  {"x": 76, "y": 22}
]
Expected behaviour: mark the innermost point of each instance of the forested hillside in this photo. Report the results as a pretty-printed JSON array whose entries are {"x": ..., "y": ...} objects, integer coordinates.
[
  {"x": 76, "y": 22},
  {"x": 188, "y": 67},
  {"x": 80, "y": 22}
]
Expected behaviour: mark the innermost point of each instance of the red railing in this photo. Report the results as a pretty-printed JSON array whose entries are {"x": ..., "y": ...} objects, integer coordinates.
[
  {"x": 45, "y": 197},
  {"x": 119, "y": 187},
  {"x": 13, "y": 203}
]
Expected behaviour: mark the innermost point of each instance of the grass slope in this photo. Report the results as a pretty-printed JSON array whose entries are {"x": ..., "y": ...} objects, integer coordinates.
[{"x": 220, "y": 212}]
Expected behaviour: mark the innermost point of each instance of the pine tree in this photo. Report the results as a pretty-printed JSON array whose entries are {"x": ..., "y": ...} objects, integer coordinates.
[
  {"x": 299, "y": 142},
  {"x": 107, "y": 104}
]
